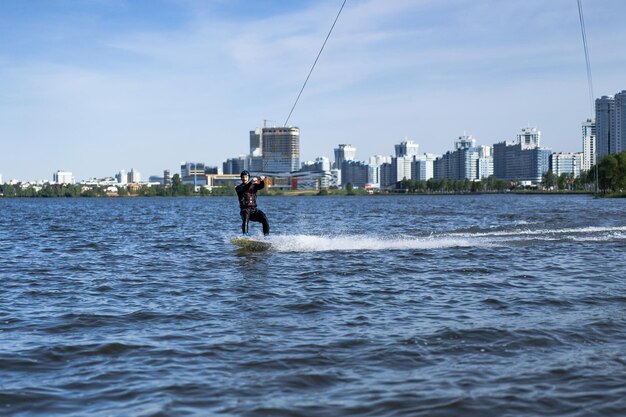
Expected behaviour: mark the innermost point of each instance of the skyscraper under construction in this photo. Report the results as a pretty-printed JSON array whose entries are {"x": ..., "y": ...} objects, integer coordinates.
[{"x": 280, "y": 149}]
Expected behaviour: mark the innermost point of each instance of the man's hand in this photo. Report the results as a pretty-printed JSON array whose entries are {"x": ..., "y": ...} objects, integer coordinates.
[{"x": 262, "y": 178}]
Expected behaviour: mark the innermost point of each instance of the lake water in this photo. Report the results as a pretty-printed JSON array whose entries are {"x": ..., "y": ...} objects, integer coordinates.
[{"x": 492, "y": 305}]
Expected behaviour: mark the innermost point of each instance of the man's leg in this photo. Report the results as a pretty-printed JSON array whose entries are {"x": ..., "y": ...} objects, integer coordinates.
[
  {"x": 259, "y": 216},
  {"x": 245, "y": 217}
]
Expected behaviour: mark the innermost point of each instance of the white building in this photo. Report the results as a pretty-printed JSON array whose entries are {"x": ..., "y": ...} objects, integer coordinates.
[
  {"x": 407, "y": 148},
  {"x": 566, "y": 163},
  {"x": 423, "y": 167},
  {"x": 529, "y": 138},
  {"x": 1, "y": 179},
  {"x": 63, "y": 177},
  {"x": 122, "y": 178},
  {"x": 345, "y": 152},
  {"x": 134, "y": 177},
  {"x": 401, "y": 167},
  {"x": 374, "y": 163},
  {"x": 589, "y": 144},
  {"x": 485, "y": 162}
]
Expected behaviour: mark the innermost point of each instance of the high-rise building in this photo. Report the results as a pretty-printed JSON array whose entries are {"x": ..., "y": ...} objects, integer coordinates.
[
  {"x": 605, "y": 111},
  {"x": 485, "y": 162},
  {"x": 407, "y": 148},
  {"x": 619, "y": 122},
  {"x": 611, "y": 124},
  {"x": 523, "y": 159},
  {"x": 167, "y": 178},
  {"x": 589, "y": 144},
  {"x": 375, "y": 163},
  {"x": 529, "y": 138},
  {"x": 319, "y": 165},
  {"x": 345, "y": 152},
  {"x": 401, "y": 168},
  {"x": 422, "y": 167},
  {"x": 256, "y": 142},
  {"x": 193, "y": 173},
  {"x": 63, "y": 177},
  {"x": 387, "y": 176},
  {"x": 566, "y": 163},
  {"x": 121, "y": 177},
  {"x": 462, "y": 163},
  {"x": 280, "y": 149},
  {"x": 236, "y": 165},
  {"x": 355, "y": 173},
  {"x": 134, "y": 177}
]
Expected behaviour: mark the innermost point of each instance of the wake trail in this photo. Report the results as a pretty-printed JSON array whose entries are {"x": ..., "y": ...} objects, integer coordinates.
[{"x": 338, "y": 243}]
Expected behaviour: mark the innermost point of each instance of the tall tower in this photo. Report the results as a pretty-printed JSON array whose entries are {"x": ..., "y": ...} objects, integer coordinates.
[
  {"x": 529, "y": 138},
  {"x": 256, "y": 142},
  {"x": 589, "y": 144},
  {"x": 280, "y": 149},
  {"x": 407, "y": 148},
  {"x": 345, "y": 152},
  {"x": 605, "y": 111},
  {"x": 619, "y": 123},
  {"x": 464, "y": 142}
]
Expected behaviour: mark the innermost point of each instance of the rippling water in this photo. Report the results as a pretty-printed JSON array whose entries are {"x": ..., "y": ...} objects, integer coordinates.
[{"x": 367, "y": 306}]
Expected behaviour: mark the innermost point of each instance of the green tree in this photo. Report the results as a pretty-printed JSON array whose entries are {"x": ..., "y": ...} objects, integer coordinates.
[
  {"x": 349, "y": 189},
  {"x": 549, "y": 180},
  {"x": 177, "y": 185}
]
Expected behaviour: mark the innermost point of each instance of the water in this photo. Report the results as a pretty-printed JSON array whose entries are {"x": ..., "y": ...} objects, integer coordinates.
[{"x": 366, "y": 306}]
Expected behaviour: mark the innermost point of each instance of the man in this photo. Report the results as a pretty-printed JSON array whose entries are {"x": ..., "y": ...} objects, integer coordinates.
[{"x": 246, "y": 192}]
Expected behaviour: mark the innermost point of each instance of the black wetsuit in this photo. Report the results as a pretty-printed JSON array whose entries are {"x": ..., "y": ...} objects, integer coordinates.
[{"x": 246, "y": 192}]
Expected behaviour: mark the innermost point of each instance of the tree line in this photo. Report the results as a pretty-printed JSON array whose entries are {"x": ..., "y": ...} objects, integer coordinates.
[{"x": 177, "y": 189}]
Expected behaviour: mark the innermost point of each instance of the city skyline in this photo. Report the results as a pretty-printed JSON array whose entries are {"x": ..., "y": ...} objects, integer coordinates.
[{"x": 95, "y": 87}]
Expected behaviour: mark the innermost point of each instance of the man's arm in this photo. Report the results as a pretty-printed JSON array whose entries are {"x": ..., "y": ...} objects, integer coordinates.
[
  {"x": 243, "y": 187},
  {"x": 261, "y": 183}
]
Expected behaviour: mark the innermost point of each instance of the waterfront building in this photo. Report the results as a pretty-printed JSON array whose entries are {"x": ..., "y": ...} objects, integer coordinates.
[
  {"x": 423, "y": 167},
  {"x": 236, "y": 165},
  {"x": 566, "y": 163},
  {"x": 193, "y": 173},
  {"x": 167, "y": 178},
  {"x": 529, "y": 138},
  {"x": 189, "y": 169},
  {"x": 462, "y": 163},
  {"x": 485, "y": 162},
  {"x": 375, "y": 162},
  {"x": 319, "y": 165},
  {"x": 134, "y": 177},
  {"x": 63, "y": 177},
  {"x": 256, "y": 142},
  {"x": 280, "y": 149},
  {"x": 589, "y": 144},
  {"x": 122, "y": 177},
  {"x": 401, "y": 168},
  {"x": 345, "y": 152},
  {"x": 155, "y": 180},
  {"x": 387, "y": 178},
  {"x": 407, "y": 148},
  {"x": 611, "y": 124},
  {"x": 522, "y": 159},
  {"x": 355, "y": 173},
  {"x": 1, "y": 179}
]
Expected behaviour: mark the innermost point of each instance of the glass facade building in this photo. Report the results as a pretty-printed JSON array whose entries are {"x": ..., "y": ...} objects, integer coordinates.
[{"x": 281, "y": 149}]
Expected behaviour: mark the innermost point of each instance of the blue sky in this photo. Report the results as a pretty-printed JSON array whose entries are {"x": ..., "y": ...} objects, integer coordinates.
[{"x": 95, "y": 86}]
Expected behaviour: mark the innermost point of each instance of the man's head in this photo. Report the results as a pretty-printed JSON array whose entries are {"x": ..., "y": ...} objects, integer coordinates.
[{"x": 245, "y": 176}]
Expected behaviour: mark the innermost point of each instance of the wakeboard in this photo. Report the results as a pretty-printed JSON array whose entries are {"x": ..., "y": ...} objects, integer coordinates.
[{"x": 251, "y": 245}]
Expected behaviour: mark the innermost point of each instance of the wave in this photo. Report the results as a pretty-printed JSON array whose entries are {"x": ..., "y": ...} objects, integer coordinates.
[
  {"x": 464, "y": 239},
  {"x": 309, "y": 243}
]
